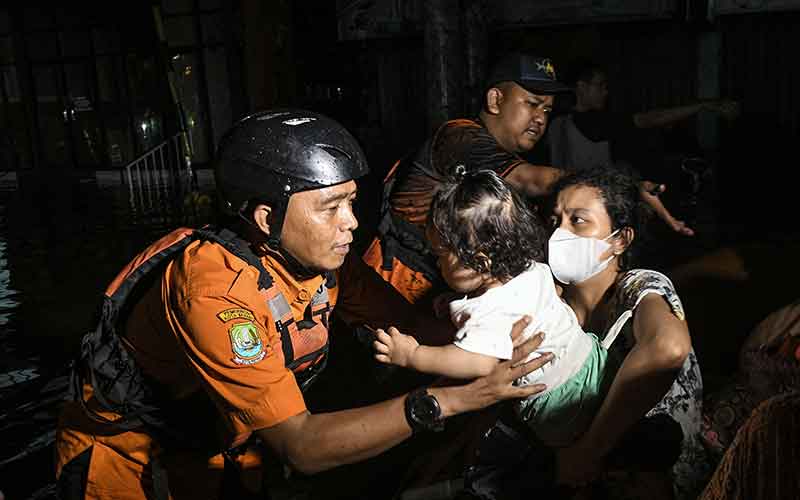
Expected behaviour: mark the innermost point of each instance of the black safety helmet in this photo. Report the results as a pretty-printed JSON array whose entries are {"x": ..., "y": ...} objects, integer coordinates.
[{"x": 268, "y": 156}]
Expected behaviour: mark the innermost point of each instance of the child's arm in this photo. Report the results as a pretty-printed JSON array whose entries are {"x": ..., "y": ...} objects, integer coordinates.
[{"x": 451, "y": 361}]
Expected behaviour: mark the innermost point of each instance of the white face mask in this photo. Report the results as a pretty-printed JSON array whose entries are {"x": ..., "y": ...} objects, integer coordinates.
[{"x": 573, "y": 258}]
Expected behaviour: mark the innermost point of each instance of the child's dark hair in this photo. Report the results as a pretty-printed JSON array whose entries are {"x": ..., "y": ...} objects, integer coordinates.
[
  {"x": 479, "y": 213},
  {"x": 619, "y": 191}
]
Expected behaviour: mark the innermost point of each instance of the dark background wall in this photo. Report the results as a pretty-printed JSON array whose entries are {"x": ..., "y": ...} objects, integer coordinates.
[{"x": 662, "y": 61}]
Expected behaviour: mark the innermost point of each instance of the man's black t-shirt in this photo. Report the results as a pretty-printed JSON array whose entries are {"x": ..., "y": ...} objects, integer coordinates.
[{"x": 629, "y": 144}]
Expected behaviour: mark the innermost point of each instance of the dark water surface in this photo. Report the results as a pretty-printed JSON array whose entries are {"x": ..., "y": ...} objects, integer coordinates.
[{"x": 61, "y": 242}]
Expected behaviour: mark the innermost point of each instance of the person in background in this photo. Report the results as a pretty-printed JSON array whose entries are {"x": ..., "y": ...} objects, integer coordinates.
[
  {"x": 589, "y": 134},
  {"x": 762, "y": 461}
]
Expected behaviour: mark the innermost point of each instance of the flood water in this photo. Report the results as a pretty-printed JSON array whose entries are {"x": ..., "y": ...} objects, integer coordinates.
[{"x": 61, "y": 242}]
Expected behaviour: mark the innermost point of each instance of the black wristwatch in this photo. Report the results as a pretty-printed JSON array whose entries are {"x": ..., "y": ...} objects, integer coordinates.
[{"x": 423, "y": 412}]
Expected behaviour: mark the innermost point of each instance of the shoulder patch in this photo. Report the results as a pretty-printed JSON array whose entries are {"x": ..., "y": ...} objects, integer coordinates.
[
  {"x": 246, "y": 343},
  {"x": 235, "y": 313}
]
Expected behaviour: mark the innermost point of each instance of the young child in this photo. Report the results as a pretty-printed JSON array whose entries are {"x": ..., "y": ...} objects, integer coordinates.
[{"x": 490, "y": 250}]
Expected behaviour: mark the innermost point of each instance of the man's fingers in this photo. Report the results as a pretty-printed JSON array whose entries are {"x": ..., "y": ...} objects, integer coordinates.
[
  {"x": 531, "y": 366},
  {"x": 528, "y": 390},
  {"x": 382, "y": 358},
  {"x": 518, "y": 327},
  {"x": 680, "y": 227},
  {"x": 652, "y": 187},
  {"x": 657, "y": 189},
  {"x": 523, "y": 348}
]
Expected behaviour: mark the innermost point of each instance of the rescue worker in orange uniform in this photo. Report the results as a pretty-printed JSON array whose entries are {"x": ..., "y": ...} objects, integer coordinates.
[
  {"x": 216, "y": 350},
  {"x": 516, "y": 107}
]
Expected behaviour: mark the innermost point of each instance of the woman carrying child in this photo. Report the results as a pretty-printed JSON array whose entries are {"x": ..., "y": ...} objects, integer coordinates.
[
  {"x": 630, "y": 401},
  {"x": 489, "y": 246},
  {"x": 598, "y": 220}
]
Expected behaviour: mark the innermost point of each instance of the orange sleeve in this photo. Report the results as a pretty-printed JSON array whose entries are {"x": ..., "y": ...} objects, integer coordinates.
[
  {"x": 365, "y": 298},
  {"x": 232, "y": 345}
]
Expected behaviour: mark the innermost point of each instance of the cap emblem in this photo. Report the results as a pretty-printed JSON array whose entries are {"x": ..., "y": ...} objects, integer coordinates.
[{"x": 546, "y": 66}]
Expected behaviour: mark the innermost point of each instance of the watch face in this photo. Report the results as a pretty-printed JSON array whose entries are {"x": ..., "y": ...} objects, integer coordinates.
[
  {"x": 426, "y": 409},
  {"x": 423, "y": 412}
]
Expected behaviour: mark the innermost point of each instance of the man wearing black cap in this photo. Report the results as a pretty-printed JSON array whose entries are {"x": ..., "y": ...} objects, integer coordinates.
[{"x": 516, "y": 107}]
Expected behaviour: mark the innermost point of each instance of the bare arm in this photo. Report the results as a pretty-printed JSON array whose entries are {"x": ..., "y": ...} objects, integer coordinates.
[
  {"x": 538, "y": 180},
  {"x": 726, "y": 263},
  {"x": 449, "y": 360},
  {"x": 315, "y": 442},
  {"x": 534, "y": 180},
  {"x": 661, "y": 117},
  {"x": 648, "y": 371},
  {"x": 312, "y": 443},
  {"x": 662, "y": 344},
  {"x": 649, "y": 193},
  {"x": 453, "y": 361}
]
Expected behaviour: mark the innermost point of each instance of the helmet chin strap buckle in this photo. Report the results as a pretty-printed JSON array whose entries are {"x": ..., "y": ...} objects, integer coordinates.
[{"x": 274, "y": 242}]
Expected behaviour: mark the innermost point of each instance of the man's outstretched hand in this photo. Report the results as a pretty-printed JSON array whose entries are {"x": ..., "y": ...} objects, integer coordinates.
[{"x": 649, "y": 192}]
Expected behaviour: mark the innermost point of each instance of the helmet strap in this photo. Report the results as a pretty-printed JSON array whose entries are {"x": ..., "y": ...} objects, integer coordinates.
[
  {"x": 294, "y": 267},
  {"x": 263, "y": 243},
  {"x": 286, "y": 259},
  {"x": 271, "y": 244}
]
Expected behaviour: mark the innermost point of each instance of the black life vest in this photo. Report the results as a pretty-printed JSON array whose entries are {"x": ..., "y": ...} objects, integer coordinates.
[
  {"x": 117, "y": 381},
  {"x": 399, "y": 238}
]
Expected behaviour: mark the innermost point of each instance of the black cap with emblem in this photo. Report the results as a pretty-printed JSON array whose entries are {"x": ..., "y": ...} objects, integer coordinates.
[{"x": 535, "y": 74}]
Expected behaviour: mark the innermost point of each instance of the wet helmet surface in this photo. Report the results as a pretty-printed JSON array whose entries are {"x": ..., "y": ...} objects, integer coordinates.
[
  {"x": 303, "y": 149},
  {"x": 268, "y": 156}
]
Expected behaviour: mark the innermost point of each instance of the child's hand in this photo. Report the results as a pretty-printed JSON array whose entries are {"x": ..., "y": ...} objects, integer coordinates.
[{"x": 393, "y": 347}]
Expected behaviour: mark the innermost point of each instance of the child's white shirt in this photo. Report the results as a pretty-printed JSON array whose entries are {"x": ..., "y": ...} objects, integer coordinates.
[{"x": 484, "y": 325}]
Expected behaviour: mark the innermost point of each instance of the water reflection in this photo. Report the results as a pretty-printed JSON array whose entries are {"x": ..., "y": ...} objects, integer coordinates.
[
  {"x": 61, "y": 242},
  {"x": 7, "y": 294}
]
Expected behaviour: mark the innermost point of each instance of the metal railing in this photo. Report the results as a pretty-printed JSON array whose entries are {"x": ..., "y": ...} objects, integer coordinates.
[{"x": 160, "y": 177}]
